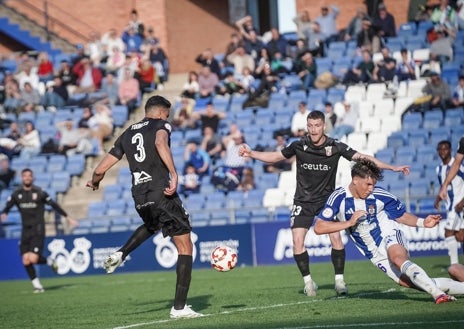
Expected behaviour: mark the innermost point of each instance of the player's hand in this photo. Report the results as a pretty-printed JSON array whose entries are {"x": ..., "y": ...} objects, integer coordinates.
[
  {"x": 92, "y": 185},
  {"x": 443, "y": 194},
  {"x": 403, "y": 169},
  {"x": 3, "y": 217},
  {"x": 244, "y": 151},
  {"x": 432, "y": 220},
  {"x": 172, "y": 188},
  {"x": 358, "y": 216},
  {"x": 72, "y": 222}
]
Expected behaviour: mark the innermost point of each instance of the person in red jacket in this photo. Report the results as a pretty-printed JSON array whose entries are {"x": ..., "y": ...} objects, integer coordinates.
[{"x": 89, "y": 78}]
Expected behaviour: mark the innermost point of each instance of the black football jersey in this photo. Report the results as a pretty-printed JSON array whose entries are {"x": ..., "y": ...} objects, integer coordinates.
[
  {"x": 316, "y": 167},
  {"x": 137, "y": 142}
]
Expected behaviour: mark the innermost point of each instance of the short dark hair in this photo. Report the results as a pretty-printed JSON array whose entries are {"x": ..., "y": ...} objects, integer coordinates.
[
  {"x": 444, "y": 142},
  {"x": 157, "y": 101},
  {"x": 366, "y": 168},
  {"x": 27, "y": 170},
  {"x": 315, "y": 115}
]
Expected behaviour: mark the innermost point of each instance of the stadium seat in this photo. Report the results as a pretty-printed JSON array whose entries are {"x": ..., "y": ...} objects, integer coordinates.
[
  {"x": 370, "y": 124},
  {"x": 418, "y": 138},
  {"x": 112, "y": 192},
  {"x": 453, "y": 117},
  {"x": 96, "y": 209},
  {"x": 376, "y": 140},
  {"x": 115, "y": 208},
  {"x": 56, "y": 163},
  {"x": 397, "y": 139},
  {"x": 273, "y": 198},
  {"x": 61, "y": 182},
  {"x": 419, "y": 188},
  {"x": 412, "y": 121},
  {"x": 390, "y": 124}
]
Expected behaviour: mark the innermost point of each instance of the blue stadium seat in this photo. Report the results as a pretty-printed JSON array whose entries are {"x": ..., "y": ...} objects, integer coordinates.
[
  {"x": 397, "y": 139},
  {"x": 419, "y": 188},
  {"x": 417, "y": 138},
  {"x": 75, "y": 164},
  {"x": 96, "y": 209},
  {"x": 412, "y": 121},
  {"x": 115, "y": 208},
  {"x": 112, "y": 192},
  {"x": 56, "y": 163},
  {"x": 61, "y": 182},
  {"x": 120, "y": 114},
  {"x": 432, "y": 119},
  {"x": 453, "y": 117},
  {"x": 260, "y": 215}
]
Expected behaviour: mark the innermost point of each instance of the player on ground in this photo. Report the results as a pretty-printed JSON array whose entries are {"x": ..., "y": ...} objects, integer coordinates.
[
  {"x": 317, "y": 158},
  {"x": 454, "y": 227},
  {"x": 371, "y": 217},
  {"x": 31, "y": 200},
  {"x": 154, "y": 186}
]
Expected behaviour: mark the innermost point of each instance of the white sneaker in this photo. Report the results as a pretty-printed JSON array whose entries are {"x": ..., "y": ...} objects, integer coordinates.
[
  {"x": 38, "y": 290},
  {"x": 340, "y": 287},
  {"x": 112, "y": 262},
  {"x": 186, "y": 312},
  {"x": 310, "y": 289}
]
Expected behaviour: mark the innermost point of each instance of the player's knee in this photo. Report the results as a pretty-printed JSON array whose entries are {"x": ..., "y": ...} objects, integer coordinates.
[{"x": 460, "y": 236}]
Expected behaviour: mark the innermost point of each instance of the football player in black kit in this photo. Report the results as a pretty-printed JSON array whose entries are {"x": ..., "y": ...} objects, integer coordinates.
[
  {"x": 31, "y": 200},
  {"x": 317, "y": 158},
  {"x": 146, "y": 145}
]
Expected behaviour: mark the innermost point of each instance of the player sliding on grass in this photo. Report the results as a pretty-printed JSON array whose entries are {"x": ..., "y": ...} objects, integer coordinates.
[
  {"x": 154, "y": 189},
  {"x": 372, "y": 217}
]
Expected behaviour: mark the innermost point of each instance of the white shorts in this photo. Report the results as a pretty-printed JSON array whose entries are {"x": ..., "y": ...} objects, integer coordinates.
[
  {"x": 380, "y": 259},
  {"x": 454, "y": 221}
]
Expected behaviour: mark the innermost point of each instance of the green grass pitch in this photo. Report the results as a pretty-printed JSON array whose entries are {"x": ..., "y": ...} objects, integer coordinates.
[{"x": 268, "y": 297}]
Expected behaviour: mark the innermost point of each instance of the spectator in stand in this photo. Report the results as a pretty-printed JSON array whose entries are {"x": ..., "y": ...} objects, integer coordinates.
[
  {"x": 189, "y": 182},
  {"x": 279, "y": 166},
  {"x": 183, "y": 115},
  {"x": 110, "y": 88},
  {"x": 355, "y": 25},
  {"x": 278, "y": 64},
  {"x": 385, "y": 69},
  {"x": 72, "y": 139},
  {"x": 264, "y": 60},
  {"x": 444, "y": 16},
  {"x": 208, "y": 82},
  {"x": 328, "y": 22},
  {"x": 88, "y": 77},
  {"x": 277, "y": 43},
  {"x": 306, "y": 68},
  {"x": 460, "y": 15},
  {"x": 129, "y": 62},
  {"x": 316, "y": 40},
  {"x": 29, "y": 142},
  {"x": 128, "y": 91},
  {"x": 56, "y": 94},
  {"x": 160, "y": 62},
  {"x": 197, "y": 157},
  {"x": 191, "y": 88},
  {"x": 301, "y": 46},
  {"x": 299, "y": 124},
  {"x": 303, "y": 24},
  {"x": 206, "y": 58},
  {"x": 247, "y": 182},
  {"x": 347, "y": 123},
  {"x": 232, "y": 159},
  {"x": 28, "y": 74},
  {"x": 368, "y": 39},
  {"x": 385, "y": 22},
  {"x": 269, "y": 83},
  {"x": 240, "y": 59},
  {"x": 78, "y": 55},
  {"x": 83, "y": 122},
  {"x": 30, "y": 99},
  {"x": 136, "y": 24},
  {"x": 9, "y": 144},
  {"x": 109, "y": 41},
  {"x": 330, "y": 117},
  {"x": 209, "y": 117},
  {"x": 247, "y": 79},
  {"x": 211, "y": 143},
  {"x": 458, "y": 93},
  {"x": 12, "y": 101},
  {"x": 230, "y": 85},
  {"x": 101, "y": 125},
  {"x": 362, "y": 72},
  {"x": 235, "y": 41},
  {"x": 45, "y": 67},
  {"x": 245, "y": 25},
  {"x": 440, "y": 92},
  {"x": 253, "y": 46},
  {"x": 146, "y": 76},
  {"x": 94, "y": 48},
  {"x": 6, "y": 173},
  {"x": 150, "y": 38},
  {"x": 132, "y": 40},
  {"x": 66, "y": 74},
  {"x": 441, "y": 49},
  {"x": 405, "y": 68},
  {"x": 115, "y": 60}
]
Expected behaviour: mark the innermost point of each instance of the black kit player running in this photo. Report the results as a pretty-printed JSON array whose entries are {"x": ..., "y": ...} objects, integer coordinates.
[
  {"x": 146, "y": 145},
  {"x": 30, "y": 201}
]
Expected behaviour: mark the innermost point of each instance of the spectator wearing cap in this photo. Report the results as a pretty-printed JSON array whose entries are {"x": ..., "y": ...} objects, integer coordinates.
[
  {"x": 439, "y": 90},
  {"x": 328, "y": 22},
  {"x": 300, "y": 120},
  {"x": 197, "y": 157},
  {"x": 458, "y": 93},
  {"x": 385, "y": 22},
  {"x": 346, "y": 123}
]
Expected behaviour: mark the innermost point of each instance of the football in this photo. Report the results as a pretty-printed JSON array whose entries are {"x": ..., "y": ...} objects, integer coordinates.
[{"x": 223, "y": 258}]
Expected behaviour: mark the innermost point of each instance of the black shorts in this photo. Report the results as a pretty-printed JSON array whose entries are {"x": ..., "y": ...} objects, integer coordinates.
[
  {"x": 303, "y": 214},
  {"x": 165, "y": 213},
  {"x": 32, "y": 239}
]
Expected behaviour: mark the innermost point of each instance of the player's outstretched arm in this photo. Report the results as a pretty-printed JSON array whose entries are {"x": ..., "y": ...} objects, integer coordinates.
[
  {"x": 324, "y": 227},
  {"x": 414, "y": 221},
  {"x": 105, "y": 164},
  {"x": 268, "y": 157},
  {"x": 458, "y": 159},
  {"x": 382, "y": 165}
]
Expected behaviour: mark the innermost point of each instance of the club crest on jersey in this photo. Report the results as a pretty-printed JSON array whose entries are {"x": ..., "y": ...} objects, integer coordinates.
[
  {"x": 34, "y": 196},
  {"x": 328, "y": 150},
  {"x": 371, "y": 210},
  {"x": 305, "y": 147},
  {"x": 327, "y": 213}
]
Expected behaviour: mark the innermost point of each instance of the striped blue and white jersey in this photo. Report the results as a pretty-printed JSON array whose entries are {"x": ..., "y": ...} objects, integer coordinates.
[
  {"x": 382, "y": 207},
  {"x": 456, "y": 188}
]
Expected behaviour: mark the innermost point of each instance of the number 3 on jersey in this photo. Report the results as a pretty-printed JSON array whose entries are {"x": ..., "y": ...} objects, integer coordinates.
[{"x": 137, "y": 139}]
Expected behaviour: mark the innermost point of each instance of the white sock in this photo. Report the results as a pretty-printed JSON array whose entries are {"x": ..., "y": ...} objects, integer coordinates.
[
  {"x": 36, "y": 283},
  {"x": 450, "y": 286},
  {"x": 420, "y": 279},
  {"x": 307, "y": 278},
  {"x": 339, "y": 277},
  {"x": 452, "y": 246}
]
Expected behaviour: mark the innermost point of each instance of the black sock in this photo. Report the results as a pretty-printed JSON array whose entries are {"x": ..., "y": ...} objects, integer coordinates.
[
  {"x": 338, "y": 260},
  {"x": 140, "y": 235},
  {"x": 184, "y": 275},
  {"x": 42, "y": 260},
  {"x": 302, "y": 261},
  {"x": 30, "y": 271}
]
